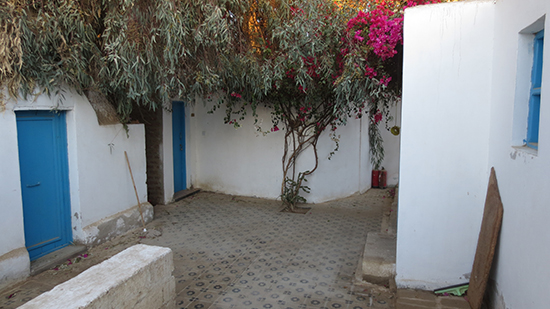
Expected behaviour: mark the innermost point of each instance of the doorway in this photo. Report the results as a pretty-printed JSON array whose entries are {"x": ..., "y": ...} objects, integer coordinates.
[
  {"x": 43, "y": 165},
  {"x": 178, "y": 141}
]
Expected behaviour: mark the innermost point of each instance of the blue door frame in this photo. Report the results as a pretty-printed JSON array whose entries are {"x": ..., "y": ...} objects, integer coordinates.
[
  {"x": 43, "y": 165},
  {"x": 178, "y": 141}
]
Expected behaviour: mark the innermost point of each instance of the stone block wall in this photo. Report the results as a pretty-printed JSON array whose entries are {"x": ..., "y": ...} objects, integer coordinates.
[{"x": 153, "y": 150}]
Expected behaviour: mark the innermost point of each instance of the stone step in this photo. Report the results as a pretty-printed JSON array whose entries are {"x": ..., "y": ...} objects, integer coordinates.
[
  {"x": 55, "y": 258},
  {"x": 378, "y": 265}
]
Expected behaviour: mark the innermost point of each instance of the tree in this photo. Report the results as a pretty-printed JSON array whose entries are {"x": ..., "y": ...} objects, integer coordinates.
[
  {"x": 313, "y": 63},
  {"x": 308, "y": 63}
]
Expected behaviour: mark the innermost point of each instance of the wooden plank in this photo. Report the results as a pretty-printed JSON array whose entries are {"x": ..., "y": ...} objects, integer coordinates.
[{"x": 486, "y": 243}]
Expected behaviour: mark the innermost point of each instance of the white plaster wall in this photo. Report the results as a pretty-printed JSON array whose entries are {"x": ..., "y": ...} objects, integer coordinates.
[
  {"x": 12, "y": 266},
  {"x": 167, "y": 155},
  {"x": 233, "y": 161},
  {"x": 104, "y": 182},
  {"x": 348, "y": 171},
  {"x": 504, "y": 62},
  {"x": 100, "y": 183},
  {"x": 245, "y": 162},
  {"x": 392, "y": 146},
  {"x": 11, "y": 222},
  {"x": 444, "y": 142},
  {"x": 521, "y": 270}
]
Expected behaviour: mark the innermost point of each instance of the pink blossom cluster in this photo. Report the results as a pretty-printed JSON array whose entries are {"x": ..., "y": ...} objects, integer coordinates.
[
  {"x": 382, "y": 27},
  {"x": 370, "y": 72},
  {"x": 291, "y": 73},
  {"x": 385, "y": 80},
  {"x": 377, "y": 117},
  {"x": 303, "y": 113},
  {"x": 309, "y": 62}
]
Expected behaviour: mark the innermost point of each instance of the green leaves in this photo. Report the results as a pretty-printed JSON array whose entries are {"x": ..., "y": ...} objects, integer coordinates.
[{"x": 292, "y": 56}]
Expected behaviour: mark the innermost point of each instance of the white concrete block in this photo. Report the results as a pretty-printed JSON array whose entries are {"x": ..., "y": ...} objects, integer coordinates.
[{"x": 138, "y": 277}]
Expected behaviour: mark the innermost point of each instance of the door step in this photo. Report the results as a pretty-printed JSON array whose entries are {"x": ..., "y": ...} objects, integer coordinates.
[
  {"x": 55, "y": 258},
  {"x": 184, "y": 193}
]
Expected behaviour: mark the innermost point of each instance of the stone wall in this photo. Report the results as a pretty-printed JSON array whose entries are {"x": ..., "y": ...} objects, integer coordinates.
[{"x": 153, "y": 149}]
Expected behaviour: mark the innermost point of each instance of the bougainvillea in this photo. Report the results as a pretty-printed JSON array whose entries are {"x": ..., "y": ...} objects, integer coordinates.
[{"x": 313, "y": 63}]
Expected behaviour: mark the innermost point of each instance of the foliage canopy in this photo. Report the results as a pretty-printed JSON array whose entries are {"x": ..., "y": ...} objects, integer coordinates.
[{"x": 313, "y": 63}]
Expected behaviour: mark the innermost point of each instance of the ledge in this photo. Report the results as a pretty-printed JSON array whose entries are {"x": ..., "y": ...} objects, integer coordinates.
[{"x": 527, "y": 150}]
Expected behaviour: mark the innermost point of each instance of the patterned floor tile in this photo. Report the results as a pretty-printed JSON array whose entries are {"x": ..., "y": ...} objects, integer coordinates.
[
  {"x": 240, "y": 252},
  {"x": 246, "y": 254}
]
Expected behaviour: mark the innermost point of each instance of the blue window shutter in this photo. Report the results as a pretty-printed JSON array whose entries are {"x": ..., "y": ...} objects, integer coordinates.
[{"x": 534, "y": 101}]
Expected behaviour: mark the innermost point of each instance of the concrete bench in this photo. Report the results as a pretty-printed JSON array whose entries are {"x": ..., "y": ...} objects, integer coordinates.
[{"x": 138, "y": 277}]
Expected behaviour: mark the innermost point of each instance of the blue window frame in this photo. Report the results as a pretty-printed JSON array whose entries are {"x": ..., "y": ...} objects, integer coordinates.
[{"x": 532, "y": 139}]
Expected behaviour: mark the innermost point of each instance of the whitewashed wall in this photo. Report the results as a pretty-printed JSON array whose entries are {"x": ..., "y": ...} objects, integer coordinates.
[
  {"x": 468, "y": 66},
  {"x": 167, "y": 154},
  {"x": 14, "y": 258},
  {"x": 523, "y": 176},
  {"x": 392, "y": 146},
  {"x": 245, "y": 162},
  {"x": 100, "y": 183},
  {"x": 444, "y": 143}
]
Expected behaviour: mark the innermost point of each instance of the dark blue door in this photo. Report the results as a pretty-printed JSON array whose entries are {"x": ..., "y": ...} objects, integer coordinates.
[
  {"x": 178, "y": 136},
  {"x": 42, "y": 138}
]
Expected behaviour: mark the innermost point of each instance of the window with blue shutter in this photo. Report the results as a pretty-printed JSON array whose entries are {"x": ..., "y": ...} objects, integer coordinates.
[{"x": 532, "y": 139}]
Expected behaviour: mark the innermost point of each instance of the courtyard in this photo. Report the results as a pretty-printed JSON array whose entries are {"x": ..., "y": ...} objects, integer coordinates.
[{"x": 242, "y": 252}]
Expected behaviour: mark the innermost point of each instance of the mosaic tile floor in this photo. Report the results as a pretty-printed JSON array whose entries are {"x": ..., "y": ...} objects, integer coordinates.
[{"x": 236, "y": 252}]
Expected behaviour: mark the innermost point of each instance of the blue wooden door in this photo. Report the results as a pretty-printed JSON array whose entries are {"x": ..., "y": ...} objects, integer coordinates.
[
  {"x": 178, "y": 137},
  {"x": 42, "y": 138}
]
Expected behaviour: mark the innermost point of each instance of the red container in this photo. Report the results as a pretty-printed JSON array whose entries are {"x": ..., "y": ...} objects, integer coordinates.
[
  {"x": 383, "y": 178},
  {"x": 375, "y": 178}
]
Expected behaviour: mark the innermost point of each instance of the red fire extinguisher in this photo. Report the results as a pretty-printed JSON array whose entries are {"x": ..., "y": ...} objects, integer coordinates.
[
  {"x": 375, "y": 178},
  {"x": 383, "y": 178},
  {"x": 379, "y": 178}
]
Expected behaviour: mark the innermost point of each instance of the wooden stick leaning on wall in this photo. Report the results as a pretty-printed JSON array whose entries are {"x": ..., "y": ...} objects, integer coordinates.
[{"x": 135, "y": 190}]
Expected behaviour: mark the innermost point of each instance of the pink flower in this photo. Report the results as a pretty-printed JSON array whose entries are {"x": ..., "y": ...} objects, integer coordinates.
[
  {"x": 378, "y": 117},
  {"x": 357, "y": 36},
  {"x": 385, "y": 80},
  {"x": 370, "y": 72},
  {"x": 275, "y": 129},
  {"x": 236, "y": 95},
  {"x": 290, "y": 74}
]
